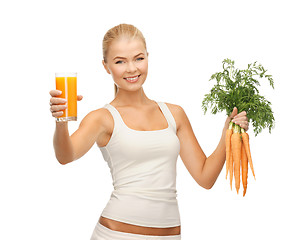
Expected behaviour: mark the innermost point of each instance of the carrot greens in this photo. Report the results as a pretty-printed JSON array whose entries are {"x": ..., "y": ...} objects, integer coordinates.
[{"x": 238, "y": 88}]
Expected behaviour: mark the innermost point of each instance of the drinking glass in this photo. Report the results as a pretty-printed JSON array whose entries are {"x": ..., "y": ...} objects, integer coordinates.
[{"x": 67, "y": 83}]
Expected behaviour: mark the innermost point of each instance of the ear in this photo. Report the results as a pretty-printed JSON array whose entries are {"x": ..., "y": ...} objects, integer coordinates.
[{"x": 105, "y": 66}]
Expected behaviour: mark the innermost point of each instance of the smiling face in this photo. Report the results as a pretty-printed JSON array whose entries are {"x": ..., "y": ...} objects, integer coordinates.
[{"x": 127, "y": 62}]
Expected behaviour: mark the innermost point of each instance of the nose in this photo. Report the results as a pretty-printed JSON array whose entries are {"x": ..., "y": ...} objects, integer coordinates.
[{"x": 131, "y": 67}]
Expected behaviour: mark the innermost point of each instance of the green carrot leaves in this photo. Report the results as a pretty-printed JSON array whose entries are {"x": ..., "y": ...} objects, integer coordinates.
[{"x": 238, "y": 88}]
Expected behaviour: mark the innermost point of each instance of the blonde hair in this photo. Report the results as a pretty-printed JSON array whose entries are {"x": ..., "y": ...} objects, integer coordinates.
[{"x": 121, "y": 30}]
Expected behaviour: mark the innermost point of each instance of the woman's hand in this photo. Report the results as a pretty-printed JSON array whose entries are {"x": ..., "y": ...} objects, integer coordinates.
[
  {"x": 239, "y": 119},
  {"x": 57, "y": 104}
]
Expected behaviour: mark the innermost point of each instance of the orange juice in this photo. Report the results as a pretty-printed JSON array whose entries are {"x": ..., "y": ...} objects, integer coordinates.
[{"x": 67, "y": 83}]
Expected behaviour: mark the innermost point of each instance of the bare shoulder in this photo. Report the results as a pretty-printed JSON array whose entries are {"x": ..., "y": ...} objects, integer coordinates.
[
  {"x": 178, "y": 113},
  {"x": 100, "y": 119},
  {"x": 174, "y": 108}
]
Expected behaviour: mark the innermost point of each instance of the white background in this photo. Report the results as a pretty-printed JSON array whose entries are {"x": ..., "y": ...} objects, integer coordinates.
[{"x": 187, "y": 41}]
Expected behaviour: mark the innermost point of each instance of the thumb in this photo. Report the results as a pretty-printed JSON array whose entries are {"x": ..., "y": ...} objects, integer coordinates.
[
  {"x": 234, "y": 113},
  {"x": 79, "y": 97}
]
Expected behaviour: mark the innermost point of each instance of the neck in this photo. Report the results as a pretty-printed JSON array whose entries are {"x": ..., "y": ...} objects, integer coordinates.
[{"x": 131, "y": 98}]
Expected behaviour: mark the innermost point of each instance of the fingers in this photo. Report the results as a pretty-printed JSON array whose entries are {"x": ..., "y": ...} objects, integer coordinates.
[
  {"x": 240, "y": 117},
  {"x": 55, "y": 93},
  {"x": 241, "y": 114},
  {"x": 57, "y": 114},
  {"x": 57, "y": 109},
  {"x": 57, "y": 104},
  {"x": 241, "y": 120},
  {"x": 57, "y": 101}
]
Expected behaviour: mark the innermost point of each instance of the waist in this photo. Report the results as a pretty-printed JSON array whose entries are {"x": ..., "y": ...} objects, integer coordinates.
[
  {"x": 147, "y": 209},
  {"x": 148, "y": 193},
  {"x": 130, "y": 228}
]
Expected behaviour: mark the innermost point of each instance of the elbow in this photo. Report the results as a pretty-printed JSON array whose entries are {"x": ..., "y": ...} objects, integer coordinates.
[
  {"x": 208, "y": 187},
  {"x": 64, "y": 160},
  {"x": 206, "y": 181},
  {"x": 205, "y": 184}
]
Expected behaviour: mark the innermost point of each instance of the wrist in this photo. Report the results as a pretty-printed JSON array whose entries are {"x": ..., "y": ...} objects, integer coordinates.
[{"x": 61, "y": 124}]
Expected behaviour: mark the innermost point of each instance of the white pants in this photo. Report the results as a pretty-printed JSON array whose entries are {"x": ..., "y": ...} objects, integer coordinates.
[{"x": 103, "y": 233}]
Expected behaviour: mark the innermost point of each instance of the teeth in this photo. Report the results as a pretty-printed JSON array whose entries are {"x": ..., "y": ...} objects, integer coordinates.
[{"x": 132, "y": 79}]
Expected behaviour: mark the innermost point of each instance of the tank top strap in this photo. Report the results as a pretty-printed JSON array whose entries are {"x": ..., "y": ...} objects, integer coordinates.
[
  {"x": 115, "y": 114},
  {"x": 168, "y": 115}
]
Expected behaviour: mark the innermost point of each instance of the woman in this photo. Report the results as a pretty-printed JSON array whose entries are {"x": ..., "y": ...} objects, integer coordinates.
[{"x": 140, "y": 139}]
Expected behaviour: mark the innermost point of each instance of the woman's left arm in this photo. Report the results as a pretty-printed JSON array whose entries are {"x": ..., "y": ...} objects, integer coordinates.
[{"x": 204, "y": 170}]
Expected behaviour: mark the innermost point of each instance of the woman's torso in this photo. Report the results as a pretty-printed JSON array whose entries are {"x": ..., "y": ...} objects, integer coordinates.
[{"x": 148, "y": 118}]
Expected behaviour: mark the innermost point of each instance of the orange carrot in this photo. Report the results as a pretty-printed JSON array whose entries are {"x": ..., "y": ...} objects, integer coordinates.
[
  {"x": 244, "y": 169},
  {"x": 236, "y": 152},
  {"x": 228, "y": 147},
  {"x": 231, "y": 168},
  {"x": 245, "y": 140}
]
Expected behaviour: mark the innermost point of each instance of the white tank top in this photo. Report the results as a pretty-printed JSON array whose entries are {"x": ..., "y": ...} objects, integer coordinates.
[{"x": 143, "y": 169}]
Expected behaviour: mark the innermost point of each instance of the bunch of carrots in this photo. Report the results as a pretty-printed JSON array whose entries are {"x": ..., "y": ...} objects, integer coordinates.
[
  {"x": 238, "y": 155},
  {"x": 239, "y": 87}
]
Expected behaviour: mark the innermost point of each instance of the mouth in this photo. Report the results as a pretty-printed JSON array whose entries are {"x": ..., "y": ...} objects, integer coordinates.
[{"x": 132, "y": 79}]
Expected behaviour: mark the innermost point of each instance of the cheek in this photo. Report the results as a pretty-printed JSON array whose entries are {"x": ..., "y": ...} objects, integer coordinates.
[
  {"x": 116, "y": 72},
  {"x": 143, "y": 67}
]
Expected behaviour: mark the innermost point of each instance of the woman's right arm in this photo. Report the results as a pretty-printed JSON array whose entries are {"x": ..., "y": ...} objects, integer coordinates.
[{"x": 69, "y": 148}]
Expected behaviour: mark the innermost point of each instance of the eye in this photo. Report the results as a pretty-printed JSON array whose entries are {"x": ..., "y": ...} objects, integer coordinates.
[
  {"x": 119, "y": 62},
  {"x": 139, "y": 59}
]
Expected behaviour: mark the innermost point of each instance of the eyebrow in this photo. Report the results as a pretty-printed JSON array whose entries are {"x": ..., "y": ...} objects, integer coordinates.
[{"x": 125, "y": 58}]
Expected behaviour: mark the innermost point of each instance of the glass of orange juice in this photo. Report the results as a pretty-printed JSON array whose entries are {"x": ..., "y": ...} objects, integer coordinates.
[{"x": 67, "y": 83}]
